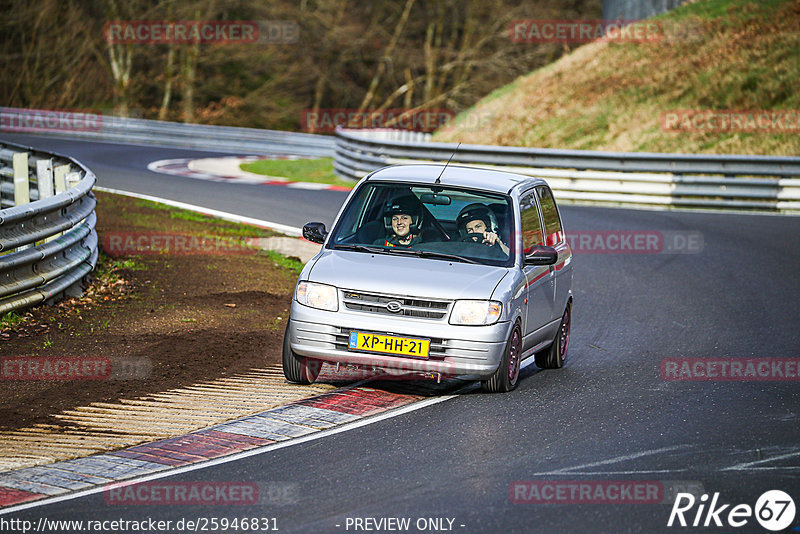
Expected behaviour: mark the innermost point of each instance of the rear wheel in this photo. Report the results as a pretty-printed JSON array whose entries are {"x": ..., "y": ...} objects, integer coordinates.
[
  {"x": 554, "y": 356},
  {"x": 296, "y": 368},
  {"x": 506, "y": 376}
]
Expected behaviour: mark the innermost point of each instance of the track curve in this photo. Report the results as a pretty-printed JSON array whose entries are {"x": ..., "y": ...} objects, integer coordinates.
[{"x": 608, "y": 415}]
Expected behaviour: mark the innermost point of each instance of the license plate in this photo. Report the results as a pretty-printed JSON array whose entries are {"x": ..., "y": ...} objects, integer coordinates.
[{"x": 400, "y": 346}]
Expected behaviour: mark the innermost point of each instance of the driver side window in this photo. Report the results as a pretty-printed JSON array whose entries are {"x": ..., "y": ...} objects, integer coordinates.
[
  {"x": 531, "y": 225},
  {"x": 552, "y": 222}
]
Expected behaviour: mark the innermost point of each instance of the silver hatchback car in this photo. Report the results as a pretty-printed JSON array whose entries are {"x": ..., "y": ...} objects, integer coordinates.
[{"x": 437, "y": 271}]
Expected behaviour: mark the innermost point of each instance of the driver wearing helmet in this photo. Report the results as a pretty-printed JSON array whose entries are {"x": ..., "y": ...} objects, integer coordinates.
[
  {"x": 478, "y": 222},
  {"x": 402, "y": 219}
]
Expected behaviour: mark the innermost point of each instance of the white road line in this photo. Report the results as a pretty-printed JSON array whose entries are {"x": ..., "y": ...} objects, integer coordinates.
[
  {"x": 594, "y": 473},
  {"x": 771, "y": 468},
  {"x": 245, "y": 454},
  {"x": 626, "y": 457},
  {"x": 289, "y": 230},
  {"x": 745, "y": 466}
]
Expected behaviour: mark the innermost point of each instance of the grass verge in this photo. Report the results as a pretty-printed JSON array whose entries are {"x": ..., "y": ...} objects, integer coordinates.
[{"x": 318, "y": 171}]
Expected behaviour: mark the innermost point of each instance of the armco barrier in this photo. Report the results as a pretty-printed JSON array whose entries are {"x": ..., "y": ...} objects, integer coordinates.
[
  {"x": 163, "y": 133},
  {"x": 48, "y": 244},
  {"x": 637, "y": 9},
  {"x": 768, "y": 183}
]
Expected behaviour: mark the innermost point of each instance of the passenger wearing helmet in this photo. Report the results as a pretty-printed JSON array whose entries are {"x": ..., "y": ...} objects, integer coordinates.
[
  {"x": 477, "y": 222},
  {"x": 402, "y": 219}
]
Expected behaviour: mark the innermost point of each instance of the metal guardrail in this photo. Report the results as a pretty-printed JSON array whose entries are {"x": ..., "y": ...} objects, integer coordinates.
[
  {"x": 47, "y": 245},
  {"x": 639, "y": 179},
  {"x": 637, "y": 9},
  {"x": 164, "y": 133}
]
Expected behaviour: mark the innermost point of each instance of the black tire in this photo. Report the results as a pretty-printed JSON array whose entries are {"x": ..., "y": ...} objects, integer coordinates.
[
  {"x": 553, "y": 357},
  {"x": 298, "y": 369},
  {"x": 506, "y": 376}
]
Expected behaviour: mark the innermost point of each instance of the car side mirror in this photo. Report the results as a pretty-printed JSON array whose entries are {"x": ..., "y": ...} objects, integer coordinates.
[
  {"x": 315, "y": 232},
  {"x": 541, "y": 255}
]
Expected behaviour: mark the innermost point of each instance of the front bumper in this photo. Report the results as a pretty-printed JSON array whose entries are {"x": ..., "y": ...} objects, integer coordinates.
[{"x": 454, "y": 351}]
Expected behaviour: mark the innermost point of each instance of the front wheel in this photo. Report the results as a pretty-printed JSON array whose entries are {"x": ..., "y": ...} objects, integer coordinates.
[
  {"x": 506, "y": 376},
  {"x": 554, "y": 356},
  {"x": 296, "y": 368}
]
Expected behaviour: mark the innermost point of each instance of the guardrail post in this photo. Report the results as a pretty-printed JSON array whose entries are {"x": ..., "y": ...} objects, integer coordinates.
[
  {"x": 21, "y": 179},
  {"x": 22, "y": 193},
  {"x": 44, "y": 181},
  {"x": 72, "y": 179},
  {"x": 60, "y": 178},
  {"x": 44, "y": 177}
]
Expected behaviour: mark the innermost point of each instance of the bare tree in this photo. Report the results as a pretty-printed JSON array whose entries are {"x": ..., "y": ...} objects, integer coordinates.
[
  {"x": 387, "y": 56},
  {"x": 169, "y": 69},
  {"x": 371, "y": 55},
  {"x": 47, "y": 56},
  {"x": 120, "y": 59},
  {"x": 330, "y": 21},
  {"x": 189, "y": 55},
  {"x": 169, "y": 78}
]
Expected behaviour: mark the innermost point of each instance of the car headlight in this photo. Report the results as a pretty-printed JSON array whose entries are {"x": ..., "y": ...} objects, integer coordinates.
[
  {"x": 476, "y": 312},
  {"x": 316, "y": 295}
]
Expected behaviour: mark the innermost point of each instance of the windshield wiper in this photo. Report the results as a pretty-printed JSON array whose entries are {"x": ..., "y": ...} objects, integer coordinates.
[
  {"x": 444, "y": 256},
  {"x": 429, "y": 254},
  {"x": 404, "y": 251},
  {"x": 360, "y": 248}
]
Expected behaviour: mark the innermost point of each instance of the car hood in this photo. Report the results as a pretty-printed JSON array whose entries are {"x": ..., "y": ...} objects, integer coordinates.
[{"x": 403, "y": 275}]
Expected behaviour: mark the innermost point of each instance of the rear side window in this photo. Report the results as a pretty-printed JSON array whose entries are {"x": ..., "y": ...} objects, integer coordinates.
[
  {"x": 552, "y": 222},
  {"x": 531, "y": 227}
]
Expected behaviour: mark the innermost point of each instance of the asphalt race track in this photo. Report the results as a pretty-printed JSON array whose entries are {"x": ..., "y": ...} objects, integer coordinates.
[
  {"x": 607, "y": 416},
  {"x": 124, "y": 167}
]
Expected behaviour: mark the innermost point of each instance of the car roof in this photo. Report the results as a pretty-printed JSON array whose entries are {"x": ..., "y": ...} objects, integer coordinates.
[{"x": 454, "y": 175}]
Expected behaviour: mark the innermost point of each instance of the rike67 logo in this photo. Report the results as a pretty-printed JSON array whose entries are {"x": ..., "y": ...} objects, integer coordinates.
[{"x": 774, "y": 511}]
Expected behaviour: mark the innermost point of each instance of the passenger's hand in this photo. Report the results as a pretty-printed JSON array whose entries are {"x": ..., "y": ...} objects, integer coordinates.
[{"x": 490, "y": 238}]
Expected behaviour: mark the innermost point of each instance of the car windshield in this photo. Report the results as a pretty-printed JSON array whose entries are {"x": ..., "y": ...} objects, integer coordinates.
[{"x": 429, "y": 221}]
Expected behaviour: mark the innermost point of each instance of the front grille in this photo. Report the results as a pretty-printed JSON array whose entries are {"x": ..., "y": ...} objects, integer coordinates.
[{"x": 406, "y": 306}]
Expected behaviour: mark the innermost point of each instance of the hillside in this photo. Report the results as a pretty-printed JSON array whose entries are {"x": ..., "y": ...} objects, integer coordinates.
[{"x": 716, "y": 55}]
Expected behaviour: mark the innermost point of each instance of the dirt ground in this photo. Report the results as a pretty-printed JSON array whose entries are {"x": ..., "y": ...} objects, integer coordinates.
[{"x": 193, "y": 305}]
